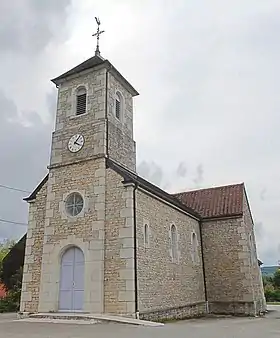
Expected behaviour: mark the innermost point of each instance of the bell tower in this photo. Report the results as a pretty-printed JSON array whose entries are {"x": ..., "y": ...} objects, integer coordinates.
[
  {"x": 94, "y": 122},
  {"x": 94, "y": 114}
]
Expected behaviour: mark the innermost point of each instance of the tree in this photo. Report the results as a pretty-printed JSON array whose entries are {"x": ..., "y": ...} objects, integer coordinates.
[
  {"x": 276, "y": 279},
  {"x": 12, "y": 280},
  {"x": 5, "y": 247}
]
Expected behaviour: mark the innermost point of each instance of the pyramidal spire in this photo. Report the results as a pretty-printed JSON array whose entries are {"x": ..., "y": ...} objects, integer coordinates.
[{"x": 97, "y": 34}]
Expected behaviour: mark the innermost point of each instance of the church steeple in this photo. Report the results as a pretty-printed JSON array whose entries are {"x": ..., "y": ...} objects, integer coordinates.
[
  {"x": 94, "y": 114},
  {"x": 97, "y": 34}
]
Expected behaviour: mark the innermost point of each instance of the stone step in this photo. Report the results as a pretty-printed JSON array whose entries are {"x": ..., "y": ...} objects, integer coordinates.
[{"x": 86, "y": 317}]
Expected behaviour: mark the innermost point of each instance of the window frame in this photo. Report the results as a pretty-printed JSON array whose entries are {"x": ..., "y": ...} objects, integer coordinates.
[
  {"x": 146, "y": 235},
  {"x": 119, "y": 98},
  {"x": 174, "y": 243},
  {"x": 66, "y": 203},
  {"x": 194, "y": 248},
  {"x": 77, "y": 95}
]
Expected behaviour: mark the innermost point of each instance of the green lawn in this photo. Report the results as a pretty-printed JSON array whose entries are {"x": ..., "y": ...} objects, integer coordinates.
[{"x": 273, "y": 303}]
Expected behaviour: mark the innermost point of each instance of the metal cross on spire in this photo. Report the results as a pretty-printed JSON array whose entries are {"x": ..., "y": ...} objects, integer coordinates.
[{"x": 97, "y": 34}]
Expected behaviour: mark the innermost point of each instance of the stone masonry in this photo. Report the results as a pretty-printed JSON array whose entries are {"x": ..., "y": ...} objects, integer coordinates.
[
  {"x": 119, "y": 281},
  {"x": 33, "y": 253},
  {"x": 165, "y": 285},
  {"x": 233, "y": 282}
]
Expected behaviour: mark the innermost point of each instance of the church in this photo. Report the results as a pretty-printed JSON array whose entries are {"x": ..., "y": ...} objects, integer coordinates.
[{"x": 101, "y": 239}]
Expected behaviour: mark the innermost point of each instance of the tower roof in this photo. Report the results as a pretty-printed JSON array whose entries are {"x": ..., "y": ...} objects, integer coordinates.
[{"x": 91, "y": 63}]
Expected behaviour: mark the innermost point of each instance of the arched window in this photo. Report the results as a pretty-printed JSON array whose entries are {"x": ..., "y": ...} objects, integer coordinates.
[
  {"x": 194, "y": 248},
  {"x": 81, "y": 101},
  {"x": 146, "y": 236},
  {"x": 174, "y": 243},
  {"x": 118, "y": 105}
]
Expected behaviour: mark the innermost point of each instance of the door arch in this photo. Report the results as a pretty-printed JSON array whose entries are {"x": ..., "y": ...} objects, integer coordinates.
[{"x": 71, "y": 287}]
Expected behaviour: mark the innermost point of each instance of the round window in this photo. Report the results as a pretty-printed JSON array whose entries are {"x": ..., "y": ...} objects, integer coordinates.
[{"x": 74, "y": 204}]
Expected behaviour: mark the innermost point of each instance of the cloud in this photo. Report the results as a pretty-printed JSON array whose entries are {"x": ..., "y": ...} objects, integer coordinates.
[
  {"x": 24, "y": 157},
  {"x": 199, "y": 176},
  {"x": 27, "y": 102},
  {"x": 29, "y": 26},
  {"x": 182, "y": 169},
  {"x": 152, "y": 172},
  {"x": 208, "y": 74}
]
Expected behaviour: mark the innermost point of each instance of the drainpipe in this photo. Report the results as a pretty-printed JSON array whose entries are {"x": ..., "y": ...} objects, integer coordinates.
[
  {"x": 203, "y": 268},
  {"x": 135, "y": 252}
]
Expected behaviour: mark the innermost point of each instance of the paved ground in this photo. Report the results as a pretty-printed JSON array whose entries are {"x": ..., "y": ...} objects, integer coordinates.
[{"x": 268, "y": 327}]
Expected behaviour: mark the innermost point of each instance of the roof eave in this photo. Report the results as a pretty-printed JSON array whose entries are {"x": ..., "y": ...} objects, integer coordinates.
[
  {"x": 122, "y": 79},
  {"x": 33, "y": 195},
  {"x": 106, "y": 64},
  {"x": 222, "y": 217}
]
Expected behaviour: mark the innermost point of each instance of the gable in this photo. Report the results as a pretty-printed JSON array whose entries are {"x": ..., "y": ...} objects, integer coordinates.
[{"x": 224, "y": 201}]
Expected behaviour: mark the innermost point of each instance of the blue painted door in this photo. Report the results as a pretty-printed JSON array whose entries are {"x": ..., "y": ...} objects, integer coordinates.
[{"x": 71, "y": 293}]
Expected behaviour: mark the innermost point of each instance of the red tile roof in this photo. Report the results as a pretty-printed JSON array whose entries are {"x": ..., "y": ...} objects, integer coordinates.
[{"x": 215, "y": 202}]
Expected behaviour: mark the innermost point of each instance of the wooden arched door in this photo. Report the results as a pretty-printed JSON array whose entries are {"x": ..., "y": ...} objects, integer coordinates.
[{"x": 71, "y": 290}]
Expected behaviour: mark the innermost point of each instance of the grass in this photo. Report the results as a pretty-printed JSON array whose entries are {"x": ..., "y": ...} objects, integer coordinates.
[{"x": 273, "y": 303}]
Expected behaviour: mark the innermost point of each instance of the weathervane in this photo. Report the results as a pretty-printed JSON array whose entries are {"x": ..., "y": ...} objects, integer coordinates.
[{"x": 97, "y": 34}]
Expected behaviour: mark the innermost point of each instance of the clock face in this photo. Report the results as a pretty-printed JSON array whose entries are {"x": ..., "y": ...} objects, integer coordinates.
[{"x": 76, "y": 143}]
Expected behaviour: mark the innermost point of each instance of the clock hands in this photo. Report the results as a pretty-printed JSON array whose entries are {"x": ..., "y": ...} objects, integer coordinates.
[
  {"x": 77, "y": 140},
  {"x": 78, "y": 144}
]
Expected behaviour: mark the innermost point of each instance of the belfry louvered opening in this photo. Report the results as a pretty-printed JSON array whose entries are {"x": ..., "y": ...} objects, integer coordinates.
[
  {"x": 81, "y": 104},
  {"x": 118, "y": 106}
]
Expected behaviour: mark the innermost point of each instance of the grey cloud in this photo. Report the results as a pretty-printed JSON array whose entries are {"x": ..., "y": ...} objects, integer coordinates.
[
  {"x": 199, "y": 176},
  {"x": 24, "y": 157},
  {"x": 182, "y": 169},
  {"x": 152, "y": 172},
  {"x": 29, "y": 25}
]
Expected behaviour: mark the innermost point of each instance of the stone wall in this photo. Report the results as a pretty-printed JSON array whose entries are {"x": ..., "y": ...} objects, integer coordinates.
[
  {"x": 119, "y": 285},
  {"x": 91, "y": 124},
  {"x": 222, "y": 247},
  {"x": 178, "y": 312},
  {"x": 86, "y": 231},
  {"x": 253, "y": 266},
  {"x": 121, "y": 147},
  {"x": 232, "y": 273},
  {"x": 167, "y": 287},
  {"x": 33, "y": 253}
]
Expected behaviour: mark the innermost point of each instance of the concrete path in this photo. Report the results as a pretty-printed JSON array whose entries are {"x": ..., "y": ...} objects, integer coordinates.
[{"x": 268, "y": 327}]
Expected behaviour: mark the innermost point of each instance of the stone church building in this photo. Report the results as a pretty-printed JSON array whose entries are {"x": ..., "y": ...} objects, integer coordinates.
[{"x": 101, "y": 239}]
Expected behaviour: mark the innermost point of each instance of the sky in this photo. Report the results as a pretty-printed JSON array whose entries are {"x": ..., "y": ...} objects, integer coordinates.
[{"x": 208, "y": 74}]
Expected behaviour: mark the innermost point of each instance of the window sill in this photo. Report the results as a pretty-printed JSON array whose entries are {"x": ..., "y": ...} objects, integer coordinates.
[{"x": 77, "y": 116}]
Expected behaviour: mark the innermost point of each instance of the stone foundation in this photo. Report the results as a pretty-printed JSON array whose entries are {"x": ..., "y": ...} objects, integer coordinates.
[
  {"x": 182, "y": 312},
  {"x": 236, "y": 308}
]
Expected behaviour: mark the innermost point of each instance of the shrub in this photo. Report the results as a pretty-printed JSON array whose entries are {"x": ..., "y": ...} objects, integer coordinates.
[
  {"x": 10, "y": 303},
  {"x": 272, "y": 295}
]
